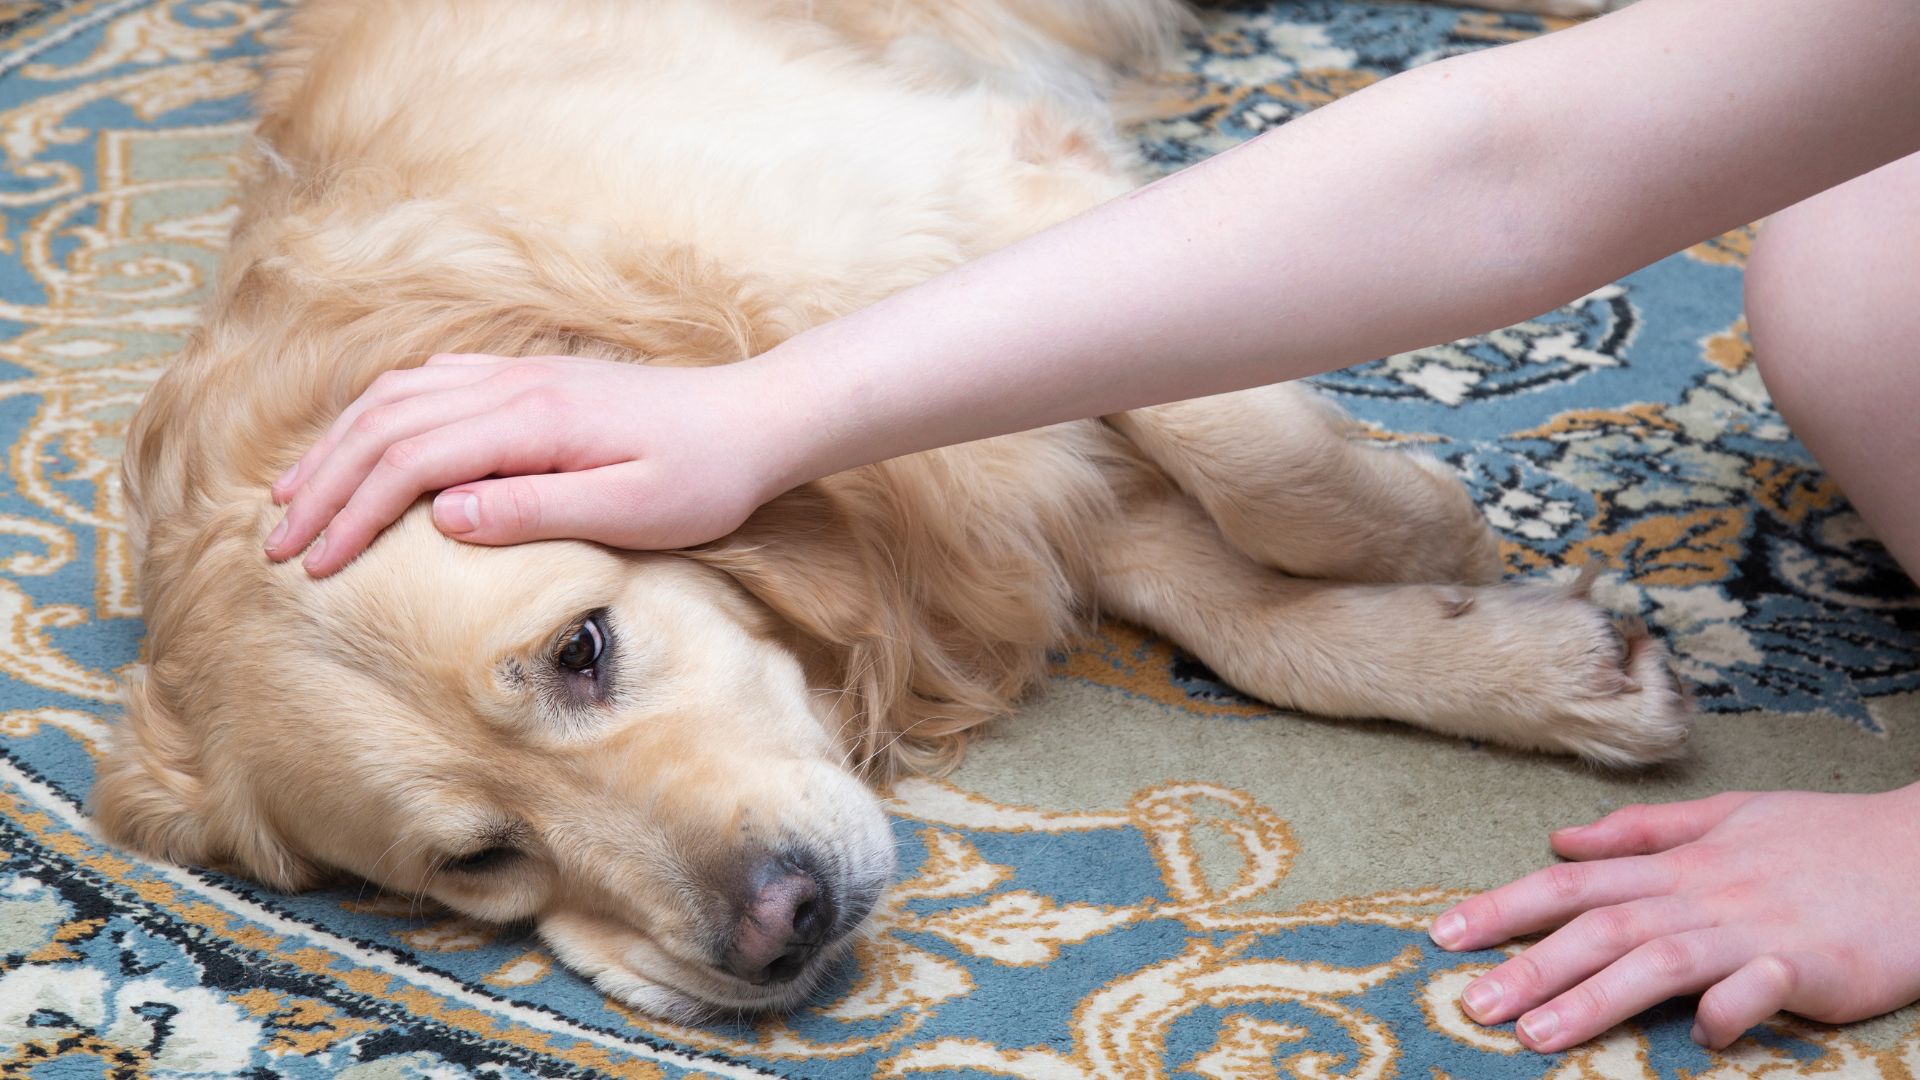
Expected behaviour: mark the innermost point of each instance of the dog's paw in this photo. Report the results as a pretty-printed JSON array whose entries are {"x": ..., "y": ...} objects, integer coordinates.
[
  {"x": 1607, "y": 691},
  {"x": 1637, "y": 713}
]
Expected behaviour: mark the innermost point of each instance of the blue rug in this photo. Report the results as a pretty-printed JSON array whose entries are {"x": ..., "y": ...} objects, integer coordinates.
[{"x": 1145, "y": 875}]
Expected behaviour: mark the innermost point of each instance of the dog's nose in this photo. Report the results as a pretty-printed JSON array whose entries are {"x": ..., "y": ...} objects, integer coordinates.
[{"x": 786, "y": 914}]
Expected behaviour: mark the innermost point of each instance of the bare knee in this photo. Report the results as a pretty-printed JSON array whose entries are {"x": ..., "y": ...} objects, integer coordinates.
[
  {"x": 1790, "y": 285},
  {"x": 1779, "y": 311},
  {"x": 1830, "y": 308},
  {"x": 1828, "y": 278},
  {"x": 1818, "y": 287}
]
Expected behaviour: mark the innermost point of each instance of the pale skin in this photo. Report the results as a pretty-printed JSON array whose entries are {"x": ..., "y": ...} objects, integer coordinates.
[{"x": 1448, "y": 201}]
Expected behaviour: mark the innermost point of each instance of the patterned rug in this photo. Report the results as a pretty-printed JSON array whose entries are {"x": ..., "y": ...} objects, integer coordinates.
[{"x": 1143, "y": 875}]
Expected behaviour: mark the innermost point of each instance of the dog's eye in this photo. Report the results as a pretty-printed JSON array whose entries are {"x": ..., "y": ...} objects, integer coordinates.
[
  {"x": 582, "y": 648},
  {"x": 479, "y": 862}
]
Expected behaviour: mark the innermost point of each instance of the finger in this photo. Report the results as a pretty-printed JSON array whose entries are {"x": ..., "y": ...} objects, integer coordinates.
[
  {"x": 1660, "y": 969},
  {"x": 612, "y": 505},
  {"x": 1762, "y": 987},
  {"x": 384, "y": 434},
  {"x": 453, "y": 454},
  {"x": 390, "y": 387},
  {"x": 1644, "y": 829},
  {"x": 1547, "y": 898},
  {"x": 1573, "y": 953}
]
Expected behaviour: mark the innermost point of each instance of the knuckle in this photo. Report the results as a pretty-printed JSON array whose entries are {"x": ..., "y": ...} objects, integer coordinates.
[
  {"x": 1670, "y": 958},
  {"x": 347, "y": 522},
  {"x": 373, "y": 424},
  {"x": 522, "y": 505},
  {"x": 1633, "y": 824},
  {"x": 1589, "y": 1002},
  {"x": 1781, "y": 975},
  {"x": 403, "y": 456},
  {"x": 1566, "y": 882},
  {"x": 1523, "y": 971},
  {"x": 540, "y": 401},
  {"x": 1613, "y": 928}
]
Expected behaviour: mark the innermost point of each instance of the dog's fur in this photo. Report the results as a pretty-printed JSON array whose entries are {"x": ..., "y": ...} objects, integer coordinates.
[{"x": 689, "y": 182}]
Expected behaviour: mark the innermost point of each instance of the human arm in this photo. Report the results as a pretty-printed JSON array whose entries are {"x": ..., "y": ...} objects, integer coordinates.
[{"x": 1453, "y": 199}]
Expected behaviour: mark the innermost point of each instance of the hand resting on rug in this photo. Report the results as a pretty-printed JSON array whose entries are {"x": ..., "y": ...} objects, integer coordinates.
[{"x": 1759, "y": 900}]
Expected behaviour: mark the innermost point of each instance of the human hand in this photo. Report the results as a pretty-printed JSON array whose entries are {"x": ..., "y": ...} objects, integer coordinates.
[
  {"x": 623, "y": 454},
  {"x": 1790, "y": 901}
]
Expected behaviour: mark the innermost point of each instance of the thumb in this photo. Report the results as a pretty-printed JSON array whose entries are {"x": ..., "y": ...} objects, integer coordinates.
[
  {"x": 607, "y": 505},
  {"x": 1646, "y": 829}
]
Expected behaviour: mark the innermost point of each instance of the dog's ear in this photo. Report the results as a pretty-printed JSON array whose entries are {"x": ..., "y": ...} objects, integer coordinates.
[
  {"x": 149, "y": 794},
  {"x": 801, "y": 555},
  {"x": 841, "y": 562}
]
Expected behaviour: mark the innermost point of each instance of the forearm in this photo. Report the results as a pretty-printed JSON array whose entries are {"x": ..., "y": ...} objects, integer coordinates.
[{"x": 1448, "y": 201}]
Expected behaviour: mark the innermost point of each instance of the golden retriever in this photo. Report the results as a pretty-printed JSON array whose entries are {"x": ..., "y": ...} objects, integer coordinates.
[{"x": 659, "y": 758}]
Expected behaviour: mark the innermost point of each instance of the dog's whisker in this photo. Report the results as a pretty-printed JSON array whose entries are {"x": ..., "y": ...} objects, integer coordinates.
[
  {"x": 414, "y": 910},
  {"x": 901, "y": 734},
  {"x": 361, "y": 895}
]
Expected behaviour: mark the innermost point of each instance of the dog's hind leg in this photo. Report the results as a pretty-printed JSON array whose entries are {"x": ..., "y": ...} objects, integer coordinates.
[
  {"x": 1533, "y": 666},
  {"x": 1276, "y": 471}
]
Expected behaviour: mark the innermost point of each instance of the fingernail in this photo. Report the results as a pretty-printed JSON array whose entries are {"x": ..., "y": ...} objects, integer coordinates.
[
  {"x": 313, "y": 553},
  {"x": 287, "y": 477},
  {"x": 457, "y": 511},
  {"x": 278, "y": 534},
  {"x": 1539, "y": 1027},
  {"x": 1448, "y": 930},
  {"x": 1482, "y": 998},
  {"x": 1698, "y": 1035}
]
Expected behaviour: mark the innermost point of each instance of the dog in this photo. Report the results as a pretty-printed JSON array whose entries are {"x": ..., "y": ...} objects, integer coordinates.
[{"x": 662, "y": 759}]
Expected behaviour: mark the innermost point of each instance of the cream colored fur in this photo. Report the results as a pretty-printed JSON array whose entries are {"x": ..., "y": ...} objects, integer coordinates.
[{"x": 689, "y": 182}]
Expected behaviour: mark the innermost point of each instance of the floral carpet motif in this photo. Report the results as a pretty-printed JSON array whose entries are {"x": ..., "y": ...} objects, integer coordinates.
[{"x": 1149, "y": 934}]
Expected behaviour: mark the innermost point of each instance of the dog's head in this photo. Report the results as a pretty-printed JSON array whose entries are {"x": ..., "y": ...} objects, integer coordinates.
[{"x": 655, "y": 758}]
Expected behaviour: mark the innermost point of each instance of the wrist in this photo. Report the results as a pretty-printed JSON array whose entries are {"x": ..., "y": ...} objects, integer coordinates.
[
  {"x": 820, "y": 414},
  {"x": 785, "y": 423}
]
